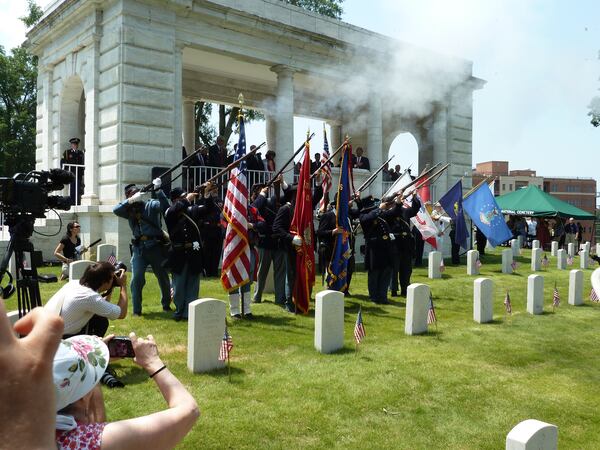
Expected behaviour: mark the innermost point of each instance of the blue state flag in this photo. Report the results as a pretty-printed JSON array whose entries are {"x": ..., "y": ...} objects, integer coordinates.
[
  {"x": 485, "y": 213},
  {"x": 337, "y": 271},
  {"x": 452, "y": 204}
]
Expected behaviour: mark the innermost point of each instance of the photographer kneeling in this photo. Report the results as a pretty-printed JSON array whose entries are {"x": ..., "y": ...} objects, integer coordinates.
[{"x": 85, "y": 305}]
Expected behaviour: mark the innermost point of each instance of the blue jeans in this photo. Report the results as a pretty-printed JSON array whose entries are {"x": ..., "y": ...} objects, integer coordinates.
[
  {"x": 186, "y": 287},
  {"x": 141, "y": 258}
]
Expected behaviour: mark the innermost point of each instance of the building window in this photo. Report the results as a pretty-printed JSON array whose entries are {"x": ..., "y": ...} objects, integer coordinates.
[
  {"x": 510, "y": 187},
  {"x": 503, "y": 187},
  {"x": 554, "y": 187}
]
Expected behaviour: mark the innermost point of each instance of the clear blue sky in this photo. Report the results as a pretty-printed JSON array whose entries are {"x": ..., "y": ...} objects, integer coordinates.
[{"x": 539, "y": 57}]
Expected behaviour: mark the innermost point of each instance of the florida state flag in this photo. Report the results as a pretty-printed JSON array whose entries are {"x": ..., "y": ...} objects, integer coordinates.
[{"x": 302, "y": 225}]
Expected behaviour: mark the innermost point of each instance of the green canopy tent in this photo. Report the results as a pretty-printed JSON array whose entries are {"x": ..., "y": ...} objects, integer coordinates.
[{"x": 532, "y": 201}]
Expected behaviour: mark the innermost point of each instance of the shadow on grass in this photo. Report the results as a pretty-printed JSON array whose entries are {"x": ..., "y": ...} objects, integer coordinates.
[
  {"x": 130, "y": 375},
  {"x": 268, "y": 320},
  {"x": 158, "y": 315},
  {"x": 224, "y": 374}
]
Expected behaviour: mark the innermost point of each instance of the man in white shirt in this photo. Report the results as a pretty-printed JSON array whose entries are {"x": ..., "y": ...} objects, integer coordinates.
[{"x": 82, "y": 307}]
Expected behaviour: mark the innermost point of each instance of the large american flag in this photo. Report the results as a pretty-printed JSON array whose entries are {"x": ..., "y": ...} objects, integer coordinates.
[
  {"x": 112, "y": 259},
  {"x": 325, "y": 172},
  {"x": 359, "y": 328},
  {"x": 431, "y": 317},
  {"x": 507, "y": 303},
  {"x": 555, "y": 298},
  {"x": 226, "y": 346},
  {"x": 236, "y": 251}
]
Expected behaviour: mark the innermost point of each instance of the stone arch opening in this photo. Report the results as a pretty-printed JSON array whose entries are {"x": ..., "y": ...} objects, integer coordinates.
[
  {"x": 404, "y": 147},
  {"x": 72, "y": 112}
]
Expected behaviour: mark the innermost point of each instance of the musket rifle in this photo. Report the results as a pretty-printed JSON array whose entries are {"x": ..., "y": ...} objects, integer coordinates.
[
  {"x": 328, "y": 160},
  {"x": 420, "y": 181},
  {"x": 81, "y": 249},
  {"x": 274, "y": 178},
  {"x": 175, "y": 167},
  {"x": 369, "y": 181}
]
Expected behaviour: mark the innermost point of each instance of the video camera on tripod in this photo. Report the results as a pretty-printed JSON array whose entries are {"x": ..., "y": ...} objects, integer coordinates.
[
  {"x": 24, "y": 198},
  {"x": 27, "y": 194}
]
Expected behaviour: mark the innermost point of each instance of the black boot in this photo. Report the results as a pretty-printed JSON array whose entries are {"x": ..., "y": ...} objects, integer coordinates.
[{"x": 110, "y": 379}]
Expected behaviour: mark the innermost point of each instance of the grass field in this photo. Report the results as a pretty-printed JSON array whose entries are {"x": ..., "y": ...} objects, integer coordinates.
[{"x": 463, "y": 386}]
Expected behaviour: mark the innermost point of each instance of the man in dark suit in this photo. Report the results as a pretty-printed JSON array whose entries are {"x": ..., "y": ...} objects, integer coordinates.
[
  {"x": 314, "y": 165},
  {"x": 217, "y": 153},
  {"x": 359, "y": 161}
]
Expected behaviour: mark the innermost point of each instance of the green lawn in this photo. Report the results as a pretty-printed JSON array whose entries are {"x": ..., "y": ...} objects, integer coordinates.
[{"x": 462, "y": 386}]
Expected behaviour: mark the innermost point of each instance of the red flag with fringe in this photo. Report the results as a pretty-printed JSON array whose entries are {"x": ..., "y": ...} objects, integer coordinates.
[{"x": 302, "y": 225}]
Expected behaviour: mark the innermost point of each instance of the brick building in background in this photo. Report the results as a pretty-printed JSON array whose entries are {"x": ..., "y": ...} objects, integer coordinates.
[{"x": 579, "y": 192}]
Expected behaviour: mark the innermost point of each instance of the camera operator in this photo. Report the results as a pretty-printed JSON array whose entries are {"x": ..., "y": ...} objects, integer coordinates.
[
  {"x": 144, "y": 216},
  {"x": 69, "y": 248},
  {"x": 85, "y": 304}
]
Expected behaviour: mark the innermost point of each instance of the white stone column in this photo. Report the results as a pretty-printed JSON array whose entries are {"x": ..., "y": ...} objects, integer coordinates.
[
  {"x": 46, "y": 158},
  {"x": 375, "y": 138},
  {"x": 535, "y": 244},
  {"x": 440, "y": 148},
  {"x": 271, "y": 132},
  {"x": 571, "y": 250},
  {"x": 335, "y": 138},
  {"x": 189, "y": 125},
  {"x": 583, "y": 259},
  {"x": 284, "y": 117},
  {"x": 177, "y": 104},
  {"x": 514, "y": 245},
  {"x": 92, "y": 123},
  {"x": 435, "y": 259},
  {"x": 417, "y": 306},
  {"x": 553, "y": 248},
  {"x": 561, "y": 259}
]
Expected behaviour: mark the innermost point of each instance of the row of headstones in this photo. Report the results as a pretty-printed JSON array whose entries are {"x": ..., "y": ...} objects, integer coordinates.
[
  {"x": 435, "y": 259},
  {"x": 206, "y": 329},
  {"x": 76, "y": 268}
]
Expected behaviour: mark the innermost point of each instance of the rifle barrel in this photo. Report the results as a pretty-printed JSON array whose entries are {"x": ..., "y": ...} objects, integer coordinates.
[
  {"x": 169, "y": 171},
  {"x": 370, "y": 180},
  {"x": 328, "y": 160},
  {"x": 272, "y": 180}
]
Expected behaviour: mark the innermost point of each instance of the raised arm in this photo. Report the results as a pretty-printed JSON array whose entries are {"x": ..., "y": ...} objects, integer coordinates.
[{"x": 161, "y": 430}]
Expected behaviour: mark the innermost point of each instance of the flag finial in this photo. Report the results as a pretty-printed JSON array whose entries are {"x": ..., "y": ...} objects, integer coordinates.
[{"x": 241, "y": 103}]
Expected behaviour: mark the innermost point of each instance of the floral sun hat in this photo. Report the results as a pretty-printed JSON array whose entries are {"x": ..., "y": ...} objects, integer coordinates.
[{"x": 79, "y": 363}]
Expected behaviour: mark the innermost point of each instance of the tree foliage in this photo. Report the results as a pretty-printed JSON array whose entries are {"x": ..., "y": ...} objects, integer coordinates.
[
  {"x": 18, "y": 75},
  {"x": 331, "y": 8}
]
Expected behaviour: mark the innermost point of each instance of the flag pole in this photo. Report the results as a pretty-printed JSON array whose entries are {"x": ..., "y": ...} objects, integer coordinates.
[{"x": 240, "y": 117}]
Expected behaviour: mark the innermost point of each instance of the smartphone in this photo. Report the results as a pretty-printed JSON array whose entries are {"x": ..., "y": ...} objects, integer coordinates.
[{"x": 120, "y": 347}]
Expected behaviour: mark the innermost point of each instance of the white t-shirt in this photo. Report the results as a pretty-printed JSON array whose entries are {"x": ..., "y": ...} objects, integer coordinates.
[{"x": 76, "y": 304}]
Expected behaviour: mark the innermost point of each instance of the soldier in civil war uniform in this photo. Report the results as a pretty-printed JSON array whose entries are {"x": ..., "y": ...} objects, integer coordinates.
[{"x": 377, "y": 223}]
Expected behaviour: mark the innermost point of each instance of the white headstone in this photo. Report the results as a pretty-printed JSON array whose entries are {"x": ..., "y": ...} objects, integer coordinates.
[
  {"x": 584, "y": 259},
  {"x": 514, "y": 245},
  {"x": 532, "y": 434},
  {"x": 76, "y": 268},
  {"x": 561, "y": 259},
  {"x": 507, "y": 259},
  {"x": 535, "y": 294},
  {"x": 571, "y": 249},
  {"x": 483, "y": 300},
  {"x": 104, "y": 251},
  {"x": 472, "y": 266},
  {"x": 329, "y": 321},
  {"x": 576, "y": 287},
  {"x": 435, "y": 259},
  {"x": 587, "y": 246},
  {"x": 598, "y": 249},
  {"x": 520, "y": 241},
  {"x": 206, "y": 327},
  {"x": 553, "y": 248},
  {"x": 417, "y": 305},
  {"x": 536, "y": 259},
  {"x": 535, "y": 244}
]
